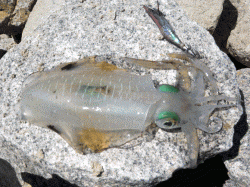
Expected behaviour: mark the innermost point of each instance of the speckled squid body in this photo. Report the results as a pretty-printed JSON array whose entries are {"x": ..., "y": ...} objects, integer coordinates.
[
  {"x": 97, "y": 97},
  {"x": 94, "y": 105}
]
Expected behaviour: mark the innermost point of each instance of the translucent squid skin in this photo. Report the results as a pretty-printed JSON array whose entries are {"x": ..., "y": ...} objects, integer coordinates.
[
  {"x": 94, "y": 105},
  {"x": 90, "y": 100}
]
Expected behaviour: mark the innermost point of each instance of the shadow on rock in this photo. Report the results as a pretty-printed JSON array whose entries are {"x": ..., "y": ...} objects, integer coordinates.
[
  {"x": 38, "y": 181},
  {"x": 2, "y": 53},
  {"x": 240, "y": 129},
  {"x": 213, "y": 171},
  {"x": 225, "y": 25},
  {"x": 8, "y": 176}
]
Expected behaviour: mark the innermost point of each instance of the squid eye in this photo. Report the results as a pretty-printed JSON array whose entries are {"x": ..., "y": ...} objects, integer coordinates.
[
  {"x": 167, "y": 120},
  {"x": 169, "y": 123}
]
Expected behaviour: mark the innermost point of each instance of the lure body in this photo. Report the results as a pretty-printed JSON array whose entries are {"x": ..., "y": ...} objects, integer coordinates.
[{"x": 168, "y": 32}]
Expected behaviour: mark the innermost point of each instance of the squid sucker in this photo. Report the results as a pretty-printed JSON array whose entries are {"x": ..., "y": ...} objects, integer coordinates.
[{"x": 94, "y": 105}]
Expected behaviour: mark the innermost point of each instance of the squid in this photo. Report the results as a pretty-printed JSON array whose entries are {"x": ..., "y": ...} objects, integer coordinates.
[{"x": 94, "y": 105}]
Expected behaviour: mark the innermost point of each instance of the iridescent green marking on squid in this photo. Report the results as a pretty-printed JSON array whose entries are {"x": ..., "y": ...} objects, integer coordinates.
[
  {"x": 168, "y": 88},
  {"x": 168, "y": 115},
  {"x": 92, "y": 90}
]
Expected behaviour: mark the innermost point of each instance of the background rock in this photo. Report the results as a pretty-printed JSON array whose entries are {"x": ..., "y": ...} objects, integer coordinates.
[
  {"x": 90, "y": 28},
  {"x": 238, "y": 167},
  {"x": 14, "y": 160},
  {"x": 228, "y": 21},
  {"x": 238, "y": 42},
  {"x": 7, "y": 8},
  {"x": 7, "y": 177},
  {"x": 206, "y": 13},
  {"x": 13, "y": 16},
  {"x": 6, "y": 42},
  {"x": 229, "y": 183},
  {"x": 39, "y": 14}
]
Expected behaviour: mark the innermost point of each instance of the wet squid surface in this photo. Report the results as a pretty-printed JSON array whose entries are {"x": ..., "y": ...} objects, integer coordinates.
[{"x": 94, "y": 105}]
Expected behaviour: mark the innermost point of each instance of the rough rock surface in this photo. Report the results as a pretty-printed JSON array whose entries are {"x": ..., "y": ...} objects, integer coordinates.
[
  {"x": 39, "y": 14},
  {"x": 231, "y": 37},
  {"x": 229, "y": 183},
  {"x": 238, "y": 43},
  {"x": 204, "y": 12},
  {"x": 6, "y": 8},
  {"x": 239, "y": 167},
  {"x": 93, "y": 27},
  {"x": 6, "y": 42},
  {"x": 14, "y": 14},
  {"x": 21, "y": 12}
]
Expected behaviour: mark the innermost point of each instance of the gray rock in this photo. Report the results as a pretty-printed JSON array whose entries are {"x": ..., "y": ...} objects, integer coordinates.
[
  {"x": 206, "y": 13},
  {"x": 6, "y": 42},
  {"x": 95, "y": 28},
  {"x": 238, "y": 43},
  {"x": 21, "y": 12},
  {"x": 238, "y": 168},
  {"x": 229, "y": 183},
  {"x": 7, "y": 7},
  {"x": 14, "y": 14},
  {"x": 39, "y": 14},
  {"x": 13, "y": 161},
  {"x": 8, "y": 175}
]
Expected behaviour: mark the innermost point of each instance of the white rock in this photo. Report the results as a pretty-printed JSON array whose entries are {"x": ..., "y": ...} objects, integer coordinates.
[{"x": 93, "y": 28}]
